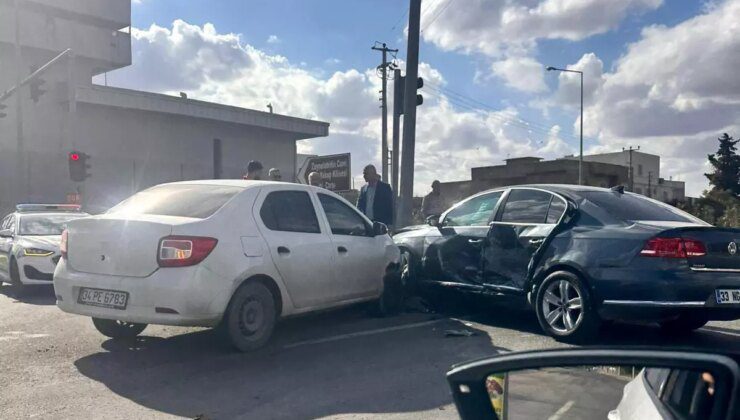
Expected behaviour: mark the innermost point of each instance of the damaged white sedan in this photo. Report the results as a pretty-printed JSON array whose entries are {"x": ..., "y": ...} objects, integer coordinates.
[{"x": 230, "y": 253}]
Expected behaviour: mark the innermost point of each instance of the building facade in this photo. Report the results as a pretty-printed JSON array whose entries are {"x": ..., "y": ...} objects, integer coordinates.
[{"x": 134, "y": 139}]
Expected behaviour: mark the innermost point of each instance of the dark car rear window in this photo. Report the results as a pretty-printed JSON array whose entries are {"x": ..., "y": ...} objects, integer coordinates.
[
  {"x": 184, "y": 200},
  {"x": 634, "y": 207}
]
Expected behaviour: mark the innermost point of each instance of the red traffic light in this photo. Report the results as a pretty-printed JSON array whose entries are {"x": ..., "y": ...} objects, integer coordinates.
[{"x": 74, "y": 156}]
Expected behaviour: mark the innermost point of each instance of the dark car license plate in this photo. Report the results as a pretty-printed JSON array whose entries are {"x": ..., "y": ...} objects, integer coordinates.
[
  {"x": 104, "y": 298},
  {"x": 728, "y": 295}
]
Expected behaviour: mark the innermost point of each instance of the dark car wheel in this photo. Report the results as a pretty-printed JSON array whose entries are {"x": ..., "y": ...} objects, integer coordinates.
[
  {"x": 118, "y": 329},
  {"x": 391, "y": 301},
  {"x": 250, "y": 317},
  {"x": 407, "y": 271},
  {"x": 683, "y": 324},
  {"x": 564, "y": 308},
  {"x": 16, "y": 287}
]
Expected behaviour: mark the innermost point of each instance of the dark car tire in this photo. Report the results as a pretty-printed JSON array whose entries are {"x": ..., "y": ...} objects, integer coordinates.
[
  {"x": 391, "y": 300},
  {"x": 17, "y": 288},
  {"x": 683, "y": 324},
  {"x": 250, "y": 317},
  {"x": 586, "y": 325},
  {"x": 118, "y": 329}
]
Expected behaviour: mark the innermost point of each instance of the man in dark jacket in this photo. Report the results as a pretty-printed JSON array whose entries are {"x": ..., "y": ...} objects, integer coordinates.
[{"x": 376, "y": 197}]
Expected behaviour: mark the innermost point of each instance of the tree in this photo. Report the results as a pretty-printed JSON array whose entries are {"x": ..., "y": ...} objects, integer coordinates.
[{"x": 726, "y": 163}]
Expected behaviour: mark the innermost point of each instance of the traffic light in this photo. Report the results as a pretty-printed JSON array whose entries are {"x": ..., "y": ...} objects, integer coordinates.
[
  {"x": 398, "y": 93},
  {"x": 78, "y": 166},
  {"x": 35, "y": 85},
  {"x": 2, "y": 113}
]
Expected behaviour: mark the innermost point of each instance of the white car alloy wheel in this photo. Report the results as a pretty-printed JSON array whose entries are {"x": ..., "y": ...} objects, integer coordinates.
[{"x": 562, "y": 306}]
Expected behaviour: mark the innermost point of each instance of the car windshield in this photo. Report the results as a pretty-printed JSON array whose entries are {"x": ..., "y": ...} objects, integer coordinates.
[
  {"x": 45, "y": 224},
  {"x": 633, "y": 207},
  {"x": 183, "y": 200}
]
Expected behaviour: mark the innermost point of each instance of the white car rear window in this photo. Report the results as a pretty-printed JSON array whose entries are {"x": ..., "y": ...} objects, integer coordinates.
[{"x": 182, "y": 200}]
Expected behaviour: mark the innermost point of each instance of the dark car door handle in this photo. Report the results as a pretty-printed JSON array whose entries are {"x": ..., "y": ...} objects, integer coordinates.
[
  {"x": 536, "y": 242},
  {"x": 342, "y": 250},
  {"x": 283, "y": 250}
]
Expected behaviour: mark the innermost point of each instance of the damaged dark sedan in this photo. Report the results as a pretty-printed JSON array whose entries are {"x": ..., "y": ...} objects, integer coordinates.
[{"x": 579, "y": 256}]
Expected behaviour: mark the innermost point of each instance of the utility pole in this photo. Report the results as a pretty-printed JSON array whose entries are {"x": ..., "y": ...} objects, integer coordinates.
[
  {"x": 384, "y": 107},
  {"x": 397, "y": 110},
  {"x": 632, "y": 171},
  {"x": 409, "y": 119},
  {"x": 19, "y": 161}
]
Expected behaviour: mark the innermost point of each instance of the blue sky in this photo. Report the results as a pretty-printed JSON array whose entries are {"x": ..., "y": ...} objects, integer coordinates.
[{"x": 472, "y": 51}]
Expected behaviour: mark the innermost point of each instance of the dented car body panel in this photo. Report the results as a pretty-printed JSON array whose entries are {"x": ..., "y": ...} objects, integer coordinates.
[{"x": 521, "y": 243}]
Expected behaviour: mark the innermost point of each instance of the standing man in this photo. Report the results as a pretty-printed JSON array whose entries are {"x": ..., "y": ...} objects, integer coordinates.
[
  {"x": 376, "y": 197},
  {"x": 314, "y": 178},
  {"x": 274, "y": 174},
  {"x": 433, "y": 203},
  {"x": 254, "y": 170}
]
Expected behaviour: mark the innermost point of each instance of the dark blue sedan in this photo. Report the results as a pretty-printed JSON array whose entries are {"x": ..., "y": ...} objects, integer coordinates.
[{"x": 580, "y": 255}]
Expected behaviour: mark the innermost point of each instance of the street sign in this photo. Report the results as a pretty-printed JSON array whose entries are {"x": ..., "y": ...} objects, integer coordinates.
[{"x": 335, "y": 171}]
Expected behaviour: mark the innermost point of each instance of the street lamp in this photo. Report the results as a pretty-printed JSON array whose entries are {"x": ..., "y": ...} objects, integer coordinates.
[{"x": 580, "y": 156}]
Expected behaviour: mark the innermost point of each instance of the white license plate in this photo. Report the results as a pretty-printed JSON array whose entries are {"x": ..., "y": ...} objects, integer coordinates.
[
  {"x": 728, "y": 295},
  {"x": 104, "y": 298}
]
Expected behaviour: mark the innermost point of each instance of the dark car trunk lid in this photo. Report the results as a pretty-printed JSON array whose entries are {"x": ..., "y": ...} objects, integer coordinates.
[{"x": 722, "y": 245}]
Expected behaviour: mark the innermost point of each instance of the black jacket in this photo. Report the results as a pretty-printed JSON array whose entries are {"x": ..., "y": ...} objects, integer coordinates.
[{"x": 382, "y": 203}]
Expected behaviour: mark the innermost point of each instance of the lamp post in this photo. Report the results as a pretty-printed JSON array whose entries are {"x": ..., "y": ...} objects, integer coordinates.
[{"x": 580, "y": 156}]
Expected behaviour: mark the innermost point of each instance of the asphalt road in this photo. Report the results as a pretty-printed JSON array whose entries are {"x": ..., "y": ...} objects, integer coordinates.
[{"x": 341, "y": 364}]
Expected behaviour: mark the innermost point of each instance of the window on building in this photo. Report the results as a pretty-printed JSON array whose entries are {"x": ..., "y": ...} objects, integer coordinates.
[
  {"x": 665, "y": 195},
  {"x": 343, "y": 220},
  {"x": 526, "y": 206},
  {"x": 476, "y": 211},
  {"x": 639, "y": 169},
  {"x": 289, "y": 211}
]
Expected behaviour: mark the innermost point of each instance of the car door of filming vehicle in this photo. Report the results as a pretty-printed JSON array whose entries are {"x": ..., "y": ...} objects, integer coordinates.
[
  {"x": 522, "y": 224},
  {"x": 457, "y": 253}
]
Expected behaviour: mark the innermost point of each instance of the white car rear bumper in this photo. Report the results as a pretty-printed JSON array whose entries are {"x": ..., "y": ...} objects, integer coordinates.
[{"x": 186, "y": 296}]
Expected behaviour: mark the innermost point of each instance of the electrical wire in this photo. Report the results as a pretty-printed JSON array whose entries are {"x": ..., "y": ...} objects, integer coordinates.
[{"x": 436, "y": 16}]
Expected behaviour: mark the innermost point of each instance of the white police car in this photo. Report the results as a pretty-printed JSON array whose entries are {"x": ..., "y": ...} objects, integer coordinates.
[{"x": 29, "y": 243}]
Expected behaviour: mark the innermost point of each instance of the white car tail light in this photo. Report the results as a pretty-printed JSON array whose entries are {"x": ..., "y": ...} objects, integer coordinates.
[
  {"x": 63, "y": 244},
  {"x": 183, "y": 251}
]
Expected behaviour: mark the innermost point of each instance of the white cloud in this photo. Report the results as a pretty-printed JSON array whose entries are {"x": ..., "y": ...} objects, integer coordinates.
[
  {"x": 673, "y": 92},
  {"x": 273, "y": 39},
  {"x": 522, "y": 73},
  {"x": 497, "y": 28}
]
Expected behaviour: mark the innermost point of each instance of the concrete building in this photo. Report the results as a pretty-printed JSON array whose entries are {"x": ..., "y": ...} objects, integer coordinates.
[
  {"x": 135, "y": 139},
  {"x": 534, "y": 170},
  {"x": 644, "y": 169}
]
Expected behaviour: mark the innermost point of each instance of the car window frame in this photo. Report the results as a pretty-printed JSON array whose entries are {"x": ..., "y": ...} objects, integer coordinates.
[
  {"x": 282, "y": 190},
  {"x": 368, "y": 226},
  {"x": 504, "y": 199},
  {"x": 503, "y": 192}
]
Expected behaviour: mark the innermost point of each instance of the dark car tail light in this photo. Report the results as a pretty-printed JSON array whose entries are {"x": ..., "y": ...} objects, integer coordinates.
[
  {"x": 63, "y": 244},
  {"x": 183, "y": 251},
  {"x": 673, "y": 248}
]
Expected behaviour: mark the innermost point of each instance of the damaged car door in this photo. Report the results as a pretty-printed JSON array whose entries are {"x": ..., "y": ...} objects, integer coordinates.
[
  {"x": 523, "y": 223},
  {"x": 464, "y": 228}
]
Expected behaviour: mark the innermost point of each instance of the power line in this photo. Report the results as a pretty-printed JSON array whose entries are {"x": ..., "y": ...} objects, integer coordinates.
[{"x": 437, "y": 15}]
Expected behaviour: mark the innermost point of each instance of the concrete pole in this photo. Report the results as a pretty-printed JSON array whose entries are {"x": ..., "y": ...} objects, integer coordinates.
[
  {"x": 409, "y": 119},
  {"x": 19, "y": 165},
  {"x": 397, "y": 107},
  {"x": 384, "y": 118},
  {"x": 580, "y": 156}
]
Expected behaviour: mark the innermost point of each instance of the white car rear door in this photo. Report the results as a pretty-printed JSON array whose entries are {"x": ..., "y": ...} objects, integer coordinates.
[
  {"x": 360, "y": 256},
  {"x": 287, "y": 218}
]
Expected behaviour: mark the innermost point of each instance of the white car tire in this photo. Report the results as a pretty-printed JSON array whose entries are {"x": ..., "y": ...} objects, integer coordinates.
[
  {"x": 16, "y": 286},
  {"x": 250, "y": 317},
  {"x": 118, "y": 329}
]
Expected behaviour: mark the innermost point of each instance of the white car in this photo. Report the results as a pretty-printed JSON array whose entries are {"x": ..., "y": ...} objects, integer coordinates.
[
  {"x": 239, "y": 254},
  {"x": 29, "y": 243}
]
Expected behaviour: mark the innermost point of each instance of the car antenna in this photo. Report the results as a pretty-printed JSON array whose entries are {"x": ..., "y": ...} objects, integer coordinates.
[{"x": 618, "y": 189}]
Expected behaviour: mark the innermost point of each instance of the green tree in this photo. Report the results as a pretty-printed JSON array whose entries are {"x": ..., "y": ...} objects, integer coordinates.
[{"x": 726, "y": 163}]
